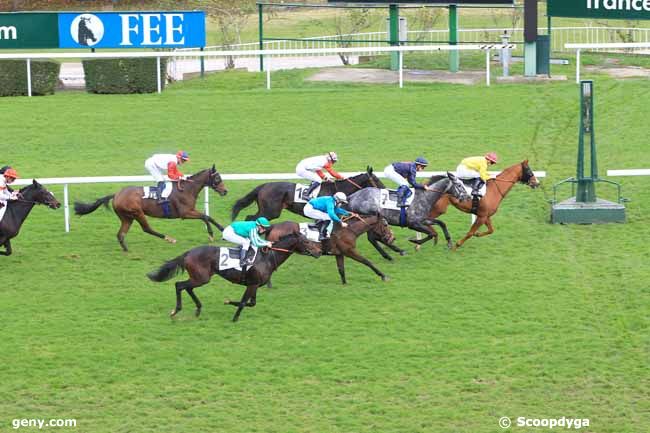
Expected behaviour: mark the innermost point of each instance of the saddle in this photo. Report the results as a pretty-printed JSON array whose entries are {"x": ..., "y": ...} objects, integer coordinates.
[
  {"x": 389, "y": 199},
  {"x": 229, "y": 258},
  {"x": 300, "y": 194},
  {"x": 310, "y": 231},
  {"x": 153, "y": 193}
]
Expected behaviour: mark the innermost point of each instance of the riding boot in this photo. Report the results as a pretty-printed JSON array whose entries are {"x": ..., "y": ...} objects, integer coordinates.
[
  {"x": 243, "y": 252},
  {"x": 311, "y": 189},
  {"x": 161, "y": 188},
  {"x": 476, "y": 188},
  {"x": 322, "y": 229},
  {"x": 250, "y": 255},
  {"x": 403, "y": 194}
]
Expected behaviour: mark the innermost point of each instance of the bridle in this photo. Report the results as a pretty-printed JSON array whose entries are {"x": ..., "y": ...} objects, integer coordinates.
[{"x": 526, "y": 176}]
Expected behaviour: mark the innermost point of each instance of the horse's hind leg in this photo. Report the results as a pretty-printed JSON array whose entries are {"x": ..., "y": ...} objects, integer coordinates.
[
  {"x": 124, "y": 228},
  {"x": 477, "y": 224},
  {"x": 142, "y": 220},
  {"x": 180, "y": 286}
]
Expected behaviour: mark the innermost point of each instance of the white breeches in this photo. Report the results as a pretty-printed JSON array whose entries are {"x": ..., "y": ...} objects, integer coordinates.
[
  {"x": 308, "y": 174},
  {"x": 154, "y": 170},
  {"x": 230, "y": 236},
  {"x": 466, "y": 173},
  {"x": 310, "y": 212},
  {"x": 390, "y": 173}
]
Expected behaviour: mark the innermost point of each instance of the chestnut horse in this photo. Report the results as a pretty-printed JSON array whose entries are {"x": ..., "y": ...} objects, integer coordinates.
[
  {"x": 129, "y": 205},
  {"x": 203, "y": 262},
  {"x": 343, "y": 241},
  {"x": 496, "y": 190}
]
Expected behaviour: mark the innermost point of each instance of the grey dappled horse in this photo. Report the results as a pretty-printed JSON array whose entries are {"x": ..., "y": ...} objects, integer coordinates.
[{"x": 367, "y": 201}]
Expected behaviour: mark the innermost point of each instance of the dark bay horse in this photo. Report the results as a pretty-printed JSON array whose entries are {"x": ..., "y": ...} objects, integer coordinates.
[
  {"x": 497, "y": 189},
  {"x": 367, "y": 201},
  {"x": 17, "y": 211},
  {"x": 203, "y": 262},
  {"x": 273, "y": 197},
  {"x": 343, "y": 241},
  {"x": 129, "y": 205}
]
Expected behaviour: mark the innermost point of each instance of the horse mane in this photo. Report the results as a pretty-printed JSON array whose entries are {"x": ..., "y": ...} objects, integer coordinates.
[
  {"x": 29, "y": 187},
  {"x": 508, "y": 169},
  {"x": 199, "y": 173},
  {"x": 436, "y": 178}
]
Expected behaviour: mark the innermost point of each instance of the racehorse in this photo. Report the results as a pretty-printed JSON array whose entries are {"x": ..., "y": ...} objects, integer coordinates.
[
  {"x": 272, "y": 197},
  {"x": 342, "y": 242},
  {"x": 203, "y": 262},
  {"x": 368, "y": 201},
  {"x": 496, "y": 190},
  {"x": 129, "y": 205},
  {"x": 18, "y": 210}
]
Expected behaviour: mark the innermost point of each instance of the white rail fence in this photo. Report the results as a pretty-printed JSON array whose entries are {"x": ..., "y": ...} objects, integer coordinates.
[
  {"x": 67, "y": 181},
  {"x": 268, "y": 54},
  {"x": 625, "y": 47}
]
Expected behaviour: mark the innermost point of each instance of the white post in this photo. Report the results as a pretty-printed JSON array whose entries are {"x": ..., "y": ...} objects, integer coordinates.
[
  {"x": 66, "y": 208},
  {"x": 206, "y": 201},
  {"x": 487, "y": 66},
  {"x": 29, "y": 77},
  {"x": 401, "y": 69},
  {"x": 158, "y": 74},
  {"x": 268, "y": 75},
  {"x": 578, "y": 66}
]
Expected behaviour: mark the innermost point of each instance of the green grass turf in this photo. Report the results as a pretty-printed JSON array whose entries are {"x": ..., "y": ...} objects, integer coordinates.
[{"x": 537, "y": 320}]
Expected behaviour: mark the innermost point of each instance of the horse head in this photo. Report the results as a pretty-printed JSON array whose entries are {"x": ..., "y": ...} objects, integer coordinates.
[
  {"x": 296, "y": 242},
  {"x": 372, "y": 179},
  {"x": 383, "y": 230},
  {"x": 528, "y": 176},
  {"x": 38, "y": 194},
  {"x": 456, "y": 188},
  {"x": 215, "y": 182}
]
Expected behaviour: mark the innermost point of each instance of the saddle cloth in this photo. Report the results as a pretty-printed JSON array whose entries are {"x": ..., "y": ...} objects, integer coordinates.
[
  {"x": 3, "y": 210},
  {"x": 467, "y": 183},
  {"x": 152, "y": 191},
  {"x": 388, "y": 199},
  {"x": 300, "y": 194},
  {"x": 310, "y": 231},
  {"x": 229, "y": 258}
]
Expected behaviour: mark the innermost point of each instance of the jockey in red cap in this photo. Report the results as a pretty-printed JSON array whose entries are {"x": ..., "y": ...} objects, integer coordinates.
[
  {"x": 8, "y": 177},
  {"x": 312, "y": 169},
  {"x": 166, "y": 162}
]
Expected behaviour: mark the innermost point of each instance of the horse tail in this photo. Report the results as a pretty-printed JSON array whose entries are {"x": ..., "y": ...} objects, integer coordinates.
[
  {"x": 169, "y": 270},
  {"x": 245, "y": 201},
  {"x": 86, "y": 208}
]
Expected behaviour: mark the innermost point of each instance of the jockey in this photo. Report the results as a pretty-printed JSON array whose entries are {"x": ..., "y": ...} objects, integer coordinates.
[
  {"x": 160, "y": 162},
  {"x": 312, "y": 169},
  {"x": 2, "y": 171},
  {"x": 327, "y": 208},
  {"x": 9, "y": 176},
  {"x": 247, "y": 233},
  {"x": 476, "y": 168},
  {"x": 403, "y": 173}
]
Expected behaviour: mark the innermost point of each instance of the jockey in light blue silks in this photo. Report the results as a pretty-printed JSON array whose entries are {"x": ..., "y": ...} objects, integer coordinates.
[
  {"x": 327, "y": 208},
  {"x": 247, "y": 233},
  {"x": 403, "y": 174}
]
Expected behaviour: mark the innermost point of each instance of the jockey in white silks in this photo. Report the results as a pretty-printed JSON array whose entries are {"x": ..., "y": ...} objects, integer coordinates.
[
  {"x": 162, "y": 162},
  {"x": 312, "y": 169}
]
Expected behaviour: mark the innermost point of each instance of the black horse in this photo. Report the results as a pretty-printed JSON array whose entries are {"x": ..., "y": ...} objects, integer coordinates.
[
  {"x": 203, "y": 262},
  {"x": 18, "y": 210},
  {"x": 272, "y": 197}
]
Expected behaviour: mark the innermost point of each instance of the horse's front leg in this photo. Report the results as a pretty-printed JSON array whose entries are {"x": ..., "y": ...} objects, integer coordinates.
[
  {"x": 427, "y": 230},
  {"x": 375, "y": 243},
  {"x": 443, "y": 226},
  {"x": 194, "y": 214},
  {"x": 490, "y": 229},
  {"x": 7, "y": 251},
  {"x": 477, "y": 224},
  {"x": 251, "y": 291}
]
